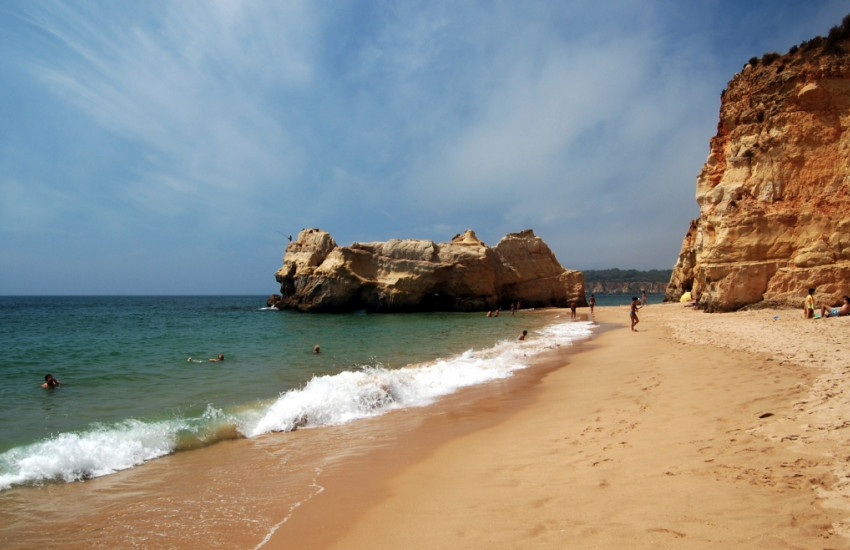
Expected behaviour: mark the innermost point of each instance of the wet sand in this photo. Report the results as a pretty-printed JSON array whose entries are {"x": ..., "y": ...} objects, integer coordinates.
[
  {"x": 697, "y": 431},
  {"x": 237, "y": 494}
]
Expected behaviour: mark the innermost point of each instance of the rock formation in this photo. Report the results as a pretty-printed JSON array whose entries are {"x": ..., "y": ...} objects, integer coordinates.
[
  {"x": 417, "y": 275},
  {"x": 775, "y": 190}
]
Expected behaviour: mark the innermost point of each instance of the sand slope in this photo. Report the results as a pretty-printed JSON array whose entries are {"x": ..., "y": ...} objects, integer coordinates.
[{"x": 698, "y": 431}]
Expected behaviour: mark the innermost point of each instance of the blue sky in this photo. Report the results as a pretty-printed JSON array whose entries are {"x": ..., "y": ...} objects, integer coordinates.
[{"x": 171, "y": 147}]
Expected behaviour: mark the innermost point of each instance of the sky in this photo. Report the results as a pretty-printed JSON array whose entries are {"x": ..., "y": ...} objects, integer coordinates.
[{"x": 171, "y": 147}]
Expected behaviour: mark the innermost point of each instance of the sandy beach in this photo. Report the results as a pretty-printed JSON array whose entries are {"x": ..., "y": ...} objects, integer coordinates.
[{"x": 698, "y": 431}]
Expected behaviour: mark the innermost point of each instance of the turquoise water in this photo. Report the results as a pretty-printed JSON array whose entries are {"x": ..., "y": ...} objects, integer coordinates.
[{"x": 131, "y": 395}]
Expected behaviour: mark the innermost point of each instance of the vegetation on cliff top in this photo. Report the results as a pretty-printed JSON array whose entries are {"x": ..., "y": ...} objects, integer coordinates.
[{"x": 832, "y": 44}]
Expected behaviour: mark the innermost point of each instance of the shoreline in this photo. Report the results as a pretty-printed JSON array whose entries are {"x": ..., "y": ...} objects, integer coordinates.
[
  {"x": 234, "y": 493},
  {"x": 698, "y": 431},
  {"x": 678, "y": 435},
  {"x": 413, "y": 435}
]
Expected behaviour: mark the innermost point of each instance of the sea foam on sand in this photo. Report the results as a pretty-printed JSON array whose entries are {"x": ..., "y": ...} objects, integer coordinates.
[{"x": 698, "y": 431}]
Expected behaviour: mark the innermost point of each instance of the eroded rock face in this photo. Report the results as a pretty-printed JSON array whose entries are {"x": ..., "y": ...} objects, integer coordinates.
[
  {"x": 774, "y": 194},
  {"x": 417, "y": 275}
]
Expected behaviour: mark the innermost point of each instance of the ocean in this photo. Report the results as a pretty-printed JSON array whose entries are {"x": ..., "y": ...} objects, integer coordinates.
[{"x": 140, "y": 395}]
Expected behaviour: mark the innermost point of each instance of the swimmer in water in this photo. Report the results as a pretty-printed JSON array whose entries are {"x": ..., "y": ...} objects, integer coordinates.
[{"x": 51, "y": 382}]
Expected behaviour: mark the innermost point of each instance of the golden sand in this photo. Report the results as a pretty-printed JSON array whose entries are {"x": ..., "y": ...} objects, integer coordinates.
[{"x": 697, "y": 431}]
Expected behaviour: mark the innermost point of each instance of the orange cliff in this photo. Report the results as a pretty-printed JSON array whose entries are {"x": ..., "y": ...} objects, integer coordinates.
[{"x": 774, "y": 193}]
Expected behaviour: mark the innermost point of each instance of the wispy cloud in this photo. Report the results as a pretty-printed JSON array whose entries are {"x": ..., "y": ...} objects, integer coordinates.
[
  {"x": 190, "y": 88},
  {"x": 179, "y": 130}
]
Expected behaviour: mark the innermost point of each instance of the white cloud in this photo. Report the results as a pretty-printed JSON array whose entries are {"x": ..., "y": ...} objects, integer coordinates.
[{"x": 172, "y": 125}]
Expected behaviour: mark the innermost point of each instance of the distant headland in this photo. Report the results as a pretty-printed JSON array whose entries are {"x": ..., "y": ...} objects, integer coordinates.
[{"x": 626, "y": 281}]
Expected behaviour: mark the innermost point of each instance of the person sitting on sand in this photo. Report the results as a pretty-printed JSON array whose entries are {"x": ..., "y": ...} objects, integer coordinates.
[
  {"x": 523, "y": 335},
  {"x": 217, "y": 359},
  {"x": 633, "y": 313},
  {"x": 51, "y": 382},
  {"x": 826, "y": 311}
]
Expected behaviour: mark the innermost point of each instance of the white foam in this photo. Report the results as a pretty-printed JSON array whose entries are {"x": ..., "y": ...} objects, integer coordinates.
[
  {"x": 340, "y": 398},
  {"x": 324, "y": 400},
  {"x": 105, "y": 449},
  {"x": 71, "y": 456}
]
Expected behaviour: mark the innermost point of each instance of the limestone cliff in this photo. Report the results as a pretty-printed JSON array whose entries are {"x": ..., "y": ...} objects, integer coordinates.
[
  {"x": 774, "y": 192},
  {"x": 417, "y": 275}
]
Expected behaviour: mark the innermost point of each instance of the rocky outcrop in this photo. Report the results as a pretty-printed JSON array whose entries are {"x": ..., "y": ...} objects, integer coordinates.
[
  {"x": 774, "y": 192},
  {"x": 417, "y": 275}
]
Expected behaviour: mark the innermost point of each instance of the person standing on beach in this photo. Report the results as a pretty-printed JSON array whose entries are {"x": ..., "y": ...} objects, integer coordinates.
[
  {"x": 809, "y": 305},
  {"x": 633, "y": 313},
  {"x": 642, "y": 298},
  {"x": 573, "y": 309},
  {"x": 592, "y": 303}
]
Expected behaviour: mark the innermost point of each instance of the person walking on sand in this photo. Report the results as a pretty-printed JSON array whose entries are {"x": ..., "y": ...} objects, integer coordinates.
[
  {"x": 826, "y": 311},
  {"x": 633, "y": 313},
  {"x": 809, "y": 305}
]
